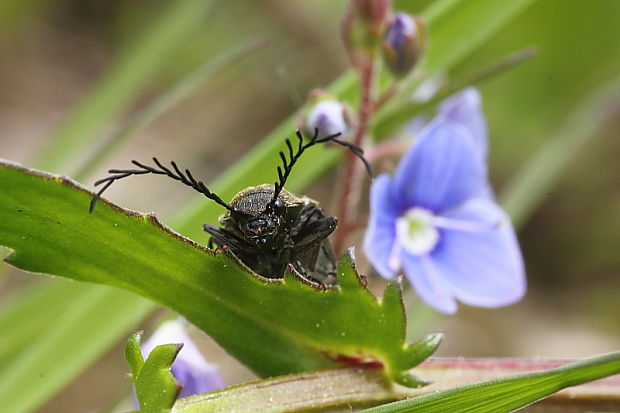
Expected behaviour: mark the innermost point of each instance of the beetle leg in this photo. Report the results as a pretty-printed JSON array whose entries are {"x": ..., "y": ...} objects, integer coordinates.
[
  {"x": 307, "y": 216},
  {"x": 223, "y": 237},
  {"x": 314, "y": 233}
]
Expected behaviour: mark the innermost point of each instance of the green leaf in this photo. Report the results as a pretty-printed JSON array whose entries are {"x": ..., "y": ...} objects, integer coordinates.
[
  {"x": 40, "y": 369},
  {"x": 138, "y": 62},
  {"x": 464, "y": 25},
  {"x": 529, "y": 187},
  {"x": 321, "y": 390},
  {"x": 156, "y": 387},
  {"x": 135, "y": 66},
  {"x": 104, "y": 102},
  {"x": 133, "y": 354},
  {"x": 171, "y": 97},
  {"x": 509, "y": 393},
  {"x": 408, "y": 110},
  {"x": 456, "y": 27},
  {"x": 40, "y": 306},
  {"x": 340, "y": 389},
  {"x": 273, "y": 326}
]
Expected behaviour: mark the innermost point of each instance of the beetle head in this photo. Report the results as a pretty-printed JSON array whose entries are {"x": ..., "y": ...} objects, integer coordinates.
[{"x": 256, "y": 216}]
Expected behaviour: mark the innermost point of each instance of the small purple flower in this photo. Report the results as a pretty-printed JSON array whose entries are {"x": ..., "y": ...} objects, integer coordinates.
[
  {"x": 190, "y": 368},
  {"x": 329, "y": 116},
  {"x": 436, "y": 220}
]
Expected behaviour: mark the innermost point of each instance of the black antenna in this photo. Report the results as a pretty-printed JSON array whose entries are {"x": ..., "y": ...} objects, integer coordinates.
[
  {"x": 145, "y": 169},
  {"x": 294, "y": 156}
]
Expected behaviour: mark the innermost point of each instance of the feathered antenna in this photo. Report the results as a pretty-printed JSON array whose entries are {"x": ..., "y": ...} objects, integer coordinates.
[
  {"x": 287, "y": 165},
  {"x": 186, "y": 178}
]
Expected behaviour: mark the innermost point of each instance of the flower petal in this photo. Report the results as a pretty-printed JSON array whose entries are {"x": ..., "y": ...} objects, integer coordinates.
[
  {"x": 465, "y": 108},
  {"x": 428, "y": 283},
  {"x": 483, "y": 268},
  {"x": 441, "y": 170},
  {"x": 196, "y": 380},
  {"x": 381, "y": 232}
]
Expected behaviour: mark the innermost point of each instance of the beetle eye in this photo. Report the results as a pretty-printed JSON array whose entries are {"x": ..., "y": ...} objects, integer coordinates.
[
  {"x": 279, "y": 204},
  {"x": 259, "y": 228}
]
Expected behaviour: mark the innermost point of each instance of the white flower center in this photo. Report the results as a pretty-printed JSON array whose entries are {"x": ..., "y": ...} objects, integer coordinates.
[{"x": 416, "y": 232}]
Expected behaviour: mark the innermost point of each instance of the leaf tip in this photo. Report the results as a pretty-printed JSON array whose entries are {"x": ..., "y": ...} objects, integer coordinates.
[
  {"x": 423, "y": 349},
  {"x": 411, "y": 381},
  {"x": 133, "y": 354},
  {"x": 348, "y": 277},
  {"x": 392, "y": 302}
]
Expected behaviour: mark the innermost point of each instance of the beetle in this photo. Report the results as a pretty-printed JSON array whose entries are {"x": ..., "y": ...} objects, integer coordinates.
[{"x": 266, "y": 227}]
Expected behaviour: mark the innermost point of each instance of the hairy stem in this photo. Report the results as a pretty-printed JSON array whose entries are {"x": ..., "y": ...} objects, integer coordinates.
[{"x": 352, "y": 169}]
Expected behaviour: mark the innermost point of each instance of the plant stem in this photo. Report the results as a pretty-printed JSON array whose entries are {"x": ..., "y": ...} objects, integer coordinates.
[
  {"x": 385, "y": 149},
  {"x": 364, "y": 384},
  {"x": 352, "y": 169}
]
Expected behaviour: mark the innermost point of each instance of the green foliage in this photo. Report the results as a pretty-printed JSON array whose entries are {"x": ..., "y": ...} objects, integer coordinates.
[
  {"x": 274, "y": 326},
  {"x": 138, "y": 63},
  {"x": 445, "y": 20},
  {"x": 124, "y": 81},
  {"x": 528, "y": 188},
  {"x": 64, "y": 342},
  {"x": 40, "y": 305},
  {"x": 456, "y": 28},
  {"x": 459, "y": 27},
  {"x": 344, "y": 388},
  {"x": 175, "y": 94},
  {"x": 156, "y": 387},
  {"x": 133, "y": 355},
  {"x": 508, "y": 393}
]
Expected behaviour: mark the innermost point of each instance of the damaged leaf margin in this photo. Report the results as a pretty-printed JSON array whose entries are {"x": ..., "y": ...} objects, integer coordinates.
[{"x": 274, "y": 326}]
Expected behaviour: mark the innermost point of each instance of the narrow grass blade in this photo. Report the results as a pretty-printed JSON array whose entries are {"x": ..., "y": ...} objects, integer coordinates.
[
  {"x": 528, "y": 188},
  {"x": 133, "y": 69},
  {"x": 175, "y": 94},
  {"x": 510, "y": 393},
  {"x": 79, "y": 336}
]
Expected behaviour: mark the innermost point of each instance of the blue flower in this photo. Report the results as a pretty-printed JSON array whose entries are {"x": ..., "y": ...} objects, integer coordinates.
[
  {"x": 190, "y": 368},
  {"x": 464, "y": 109},
  {"x": 437, "y": 221}
]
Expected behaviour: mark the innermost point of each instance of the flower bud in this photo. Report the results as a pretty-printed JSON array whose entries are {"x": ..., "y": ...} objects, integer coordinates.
[
  {"x": 404, "y": 43},
  {"x": 362, "y": 28},
  {"x": 190, "y": 368},
  {"x": 329, "y": 117},
  {"x": 373, "y": 12}
]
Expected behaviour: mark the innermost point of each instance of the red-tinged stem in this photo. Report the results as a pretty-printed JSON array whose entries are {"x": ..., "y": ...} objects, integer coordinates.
[
  {"x": 351, "y": 223},
  {"x": 360, "y": 385},
  {"x": 385, "y": 149},
  {"x": 352, "y": 170}
]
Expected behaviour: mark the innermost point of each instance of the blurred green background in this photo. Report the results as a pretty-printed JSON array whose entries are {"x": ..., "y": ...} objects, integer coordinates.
[{"x": 54, "y": 53}]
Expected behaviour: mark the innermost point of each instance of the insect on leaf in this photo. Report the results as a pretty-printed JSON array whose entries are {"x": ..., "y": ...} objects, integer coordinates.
[{"x": 274, "y": 326}]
